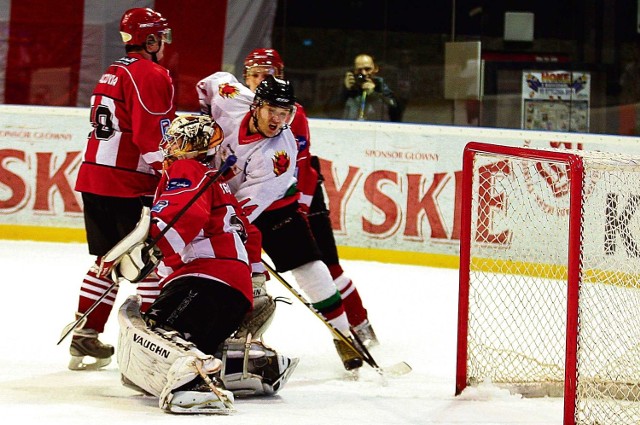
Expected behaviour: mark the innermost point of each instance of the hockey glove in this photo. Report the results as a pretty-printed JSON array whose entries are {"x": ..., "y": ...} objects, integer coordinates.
[
  {"x": 137, "y": 236},
  {"x": 136, "y": 264}
]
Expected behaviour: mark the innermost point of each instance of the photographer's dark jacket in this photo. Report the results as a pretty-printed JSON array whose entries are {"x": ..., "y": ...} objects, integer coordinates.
[{"x": 381, "y": 105}]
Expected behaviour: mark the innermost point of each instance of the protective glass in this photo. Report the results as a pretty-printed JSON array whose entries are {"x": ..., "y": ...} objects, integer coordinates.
[
  {"x": 257, "y": 71},
  {"x": 166, "y": 35},
  {"x": 270, "y": 114},
  {"x": 278, "y": 113}
]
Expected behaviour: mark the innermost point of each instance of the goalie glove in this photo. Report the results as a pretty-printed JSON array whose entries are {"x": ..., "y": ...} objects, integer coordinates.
[
  {"x": 136, "y": 263},
  {"x": 131, "y": 259}
]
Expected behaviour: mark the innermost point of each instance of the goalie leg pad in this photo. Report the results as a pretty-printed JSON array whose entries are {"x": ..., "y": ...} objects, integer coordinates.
[
  {"x": 258, "y": 320},
  {"x": 161, "y": 363},
  {"x": 195, "y": 397},
  {"x": 252, "y": 369}
]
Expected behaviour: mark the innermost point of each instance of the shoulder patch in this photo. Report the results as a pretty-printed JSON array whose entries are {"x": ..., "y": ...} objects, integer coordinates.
[
  {"x": 303, "y": 143},
  {"x": 159, "y": 206},
  {"x": 174, "y": 184},
  {"x": 281, "y": 162},
  {"x": 165, "y": 123}
]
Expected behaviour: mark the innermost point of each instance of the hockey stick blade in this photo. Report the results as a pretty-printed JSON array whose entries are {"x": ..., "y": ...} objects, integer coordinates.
[
  {"x": 398, "y": 369},
  {"x": 395, "y": 370}
]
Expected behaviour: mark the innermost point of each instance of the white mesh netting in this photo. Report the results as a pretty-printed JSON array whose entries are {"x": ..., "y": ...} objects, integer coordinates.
[{"x": 518, "y": 281}]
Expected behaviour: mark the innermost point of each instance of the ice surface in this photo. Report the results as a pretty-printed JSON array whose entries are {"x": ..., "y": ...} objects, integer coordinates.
[{"x": 413, "y": 310}]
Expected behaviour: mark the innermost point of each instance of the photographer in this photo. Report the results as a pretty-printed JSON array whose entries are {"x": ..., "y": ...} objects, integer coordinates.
[{"x": 367, "y": 96}]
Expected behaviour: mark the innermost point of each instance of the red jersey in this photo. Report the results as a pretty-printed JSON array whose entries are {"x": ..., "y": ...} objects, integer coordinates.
[
  {"x": 131, "y": 107},
  {"x": 307, "y": 176},
  {"x": 208, "y": 239}
]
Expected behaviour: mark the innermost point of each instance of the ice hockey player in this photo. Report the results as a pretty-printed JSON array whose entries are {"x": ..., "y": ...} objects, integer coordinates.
[
  {"x": 257, "y": 132},
  {"x": 257, "y": 65},
  {"x": 206, "y": 289},
  {"x": 131, "y": 106}
]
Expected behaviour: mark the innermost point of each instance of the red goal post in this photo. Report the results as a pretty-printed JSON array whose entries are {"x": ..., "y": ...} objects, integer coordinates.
[{"x": 549, "y": 297}]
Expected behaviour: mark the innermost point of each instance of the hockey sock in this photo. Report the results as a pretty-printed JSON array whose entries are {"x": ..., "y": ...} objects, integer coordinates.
[
  {"x": 356, "y": 313},
  {"x": 91, "y": 289},
  {"x": 335, "y": 270},
  {"x": 333, "y": 310},
  {"x": 148, "y": 289},
  {"x": 315, "y": 280}
]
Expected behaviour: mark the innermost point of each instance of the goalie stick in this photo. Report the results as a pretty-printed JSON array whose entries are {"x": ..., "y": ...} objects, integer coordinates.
[
  {"x": 228, "y": 163},
  {"x": 397, "y": 369}
]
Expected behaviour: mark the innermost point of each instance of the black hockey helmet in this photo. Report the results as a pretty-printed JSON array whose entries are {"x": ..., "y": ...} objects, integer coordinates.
[{"x": 275, "y": 92}]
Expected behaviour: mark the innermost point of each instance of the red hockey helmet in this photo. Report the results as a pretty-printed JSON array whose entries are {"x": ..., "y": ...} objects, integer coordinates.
[
  {"x": 265, "y": 58},
  {"x": 139, "y": 23}
]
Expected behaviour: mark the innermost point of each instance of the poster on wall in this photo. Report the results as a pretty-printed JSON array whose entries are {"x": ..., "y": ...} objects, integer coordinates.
[{"x": 555, "y": 101}]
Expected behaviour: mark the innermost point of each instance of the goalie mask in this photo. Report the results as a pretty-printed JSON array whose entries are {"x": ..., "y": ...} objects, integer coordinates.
[{"x": 191, "y": 136}]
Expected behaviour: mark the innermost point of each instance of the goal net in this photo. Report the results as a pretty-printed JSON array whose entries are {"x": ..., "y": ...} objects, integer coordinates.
[{"x": 549, "y": 300}]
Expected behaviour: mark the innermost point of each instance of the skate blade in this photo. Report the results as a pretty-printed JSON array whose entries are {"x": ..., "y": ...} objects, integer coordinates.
[
  {"x": 91, "y": 363},
  {"x": 352, "y": 375},
  {"x": 370, "y": 343}
]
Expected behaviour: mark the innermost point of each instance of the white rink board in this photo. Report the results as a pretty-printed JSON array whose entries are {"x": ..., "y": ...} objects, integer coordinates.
[
  {"x": 398, "y": 166},
  {"x": 390, "y": 186}
]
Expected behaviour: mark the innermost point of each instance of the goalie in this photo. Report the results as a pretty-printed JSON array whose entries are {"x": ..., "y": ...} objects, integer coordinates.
[{"x": 206, "y": 289}]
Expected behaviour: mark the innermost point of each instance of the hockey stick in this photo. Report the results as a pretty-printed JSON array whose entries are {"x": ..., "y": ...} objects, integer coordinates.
[
  {"x": 80, "y": 322},
  {"x": 228, "y": 163},
  {"x": 397, "y": 369}
]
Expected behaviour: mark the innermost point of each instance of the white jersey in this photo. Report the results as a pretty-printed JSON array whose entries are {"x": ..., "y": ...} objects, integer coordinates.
[{"x": 264, "y": 174}]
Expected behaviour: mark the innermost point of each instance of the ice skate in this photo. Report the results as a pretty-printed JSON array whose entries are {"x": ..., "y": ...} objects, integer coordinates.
[
  {"x": 366, "y": 335},
  {"x": 88, "y": 352},
  {"x": 351, "y": 359}
]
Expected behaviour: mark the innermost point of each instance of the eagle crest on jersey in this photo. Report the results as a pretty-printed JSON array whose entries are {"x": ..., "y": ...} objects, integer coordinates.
[
  {"x": 281, "y": 162},
  {"x": 226, "y": 90}
]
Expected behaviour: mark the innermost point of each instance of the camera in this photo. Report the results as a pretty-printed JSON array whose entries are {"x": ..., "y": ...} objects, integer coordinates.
[{"x": 360, "y": 79}]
